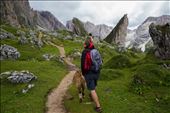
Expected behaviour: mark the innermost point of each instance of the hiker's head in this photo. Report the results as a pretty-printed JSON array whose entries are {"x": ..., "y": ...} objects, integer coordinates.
[
  {"x": 89, "y": 43},
  {"x": 90, "y": 34}
]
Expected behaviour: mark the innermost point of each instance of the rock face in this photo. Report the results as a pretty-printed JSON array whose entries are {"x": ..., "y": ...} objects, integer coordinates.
[
  {"x": 46, "y": 20},
  {"x": 99, "y": 31},
  {"x": 140, "y": 36},
  {"x": 81, "y": 28},
  {"x": 76, "y": 26},
  {"x": 19, "y": 13},
  {"x": 161, "y": 39},
  {"x": 19, "y": 76},
  {"x": 119, "y": 32},
  {"x": 8, "y": 52}
]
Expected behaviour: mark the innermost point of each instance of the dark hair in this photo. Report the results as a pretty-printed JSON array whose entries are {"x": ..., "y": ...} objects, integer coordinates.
[{"x": 90, "y": 34}]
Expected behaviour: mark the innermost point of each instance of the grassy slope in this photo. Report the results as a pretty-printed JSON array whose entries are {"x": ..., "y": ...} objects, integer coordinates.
[
  {"x": 49, "y": 74},
  {"x": 114, "y": 90}
]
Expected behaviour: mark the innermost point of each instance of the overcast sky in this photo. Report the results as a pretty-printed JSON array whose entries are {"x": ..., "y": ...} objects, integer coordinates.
[{"x": 104, "y": 12}]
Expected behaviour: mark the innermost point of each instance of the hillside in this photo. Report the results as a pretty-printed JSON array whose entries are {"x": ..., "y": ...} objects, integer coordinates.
[
  {"x": 119, "y": 82},
  {"x": 39, "y": 57},
  {"x": 19, "y": 13}
]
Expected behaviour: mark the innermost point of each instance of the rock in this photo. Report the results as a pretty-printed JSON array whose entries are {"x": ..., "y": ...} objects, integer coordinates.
[
  {"x": 100, "y": 31},
  {"x": 76, "y": 54},
  {"x": 8, "y": 52},
  {"x": 61, "y": 59},
  {"x": 23, "y": 40},
  {"x": 5, "y": 35},
  {"x": 21, "y": 33},
  {"x": 139, "y": 38},
  {"x": 19, "y": 13},
  {"x": 160, "y": 35},
  {"x": 21, "y": 76},
  {"x": 119, "y": 32},
  {"x": 25, "y": 90},
  {"x": 76, "y": 26},
  {"x": 47, "y": 56},
  {"x": 36, "y": 41},
  {"x": 68, "y": 37}
]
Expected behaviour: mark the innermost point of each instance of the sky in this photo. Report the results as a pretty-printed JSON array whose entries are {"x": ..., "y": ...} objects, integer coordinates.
[{"x": 104, "y": 12}]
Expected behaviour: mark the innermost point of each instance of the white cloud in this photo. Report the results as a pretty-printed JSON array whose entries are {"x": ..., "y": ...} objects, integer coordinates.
[{"x": 104, "y": 12}]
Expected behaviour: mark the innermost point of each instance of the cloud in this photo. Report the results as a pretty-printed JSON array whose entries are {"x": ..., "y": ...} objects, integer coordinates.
[{"x": 104, "y": 12}]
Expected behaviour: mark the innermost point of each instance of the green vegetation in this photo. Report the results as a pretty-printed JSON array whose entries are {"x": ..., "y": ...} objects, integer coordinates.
[
  {"x": 13, "y": 100},
  {"x": 119, "y": 61},
  {"x": 30, "y": 52},
  {"x": 130, "y": 82},
  {"x": 9, "y": 29},
  {"x": 120, "y": 88},
  {"x": 49, "y": 74}
]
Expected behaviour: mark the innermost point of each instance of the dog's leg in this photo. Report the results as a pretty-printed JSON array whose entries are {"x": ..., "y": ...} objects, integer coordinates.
[
  {"x": 80, "y": 95},
  {"x": 83, "y": 88}
]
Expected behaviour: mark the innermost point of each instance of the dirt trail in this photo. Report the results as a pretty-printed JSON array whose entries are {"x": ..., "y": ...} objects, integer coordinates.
[{"x": 54, "y": 103}]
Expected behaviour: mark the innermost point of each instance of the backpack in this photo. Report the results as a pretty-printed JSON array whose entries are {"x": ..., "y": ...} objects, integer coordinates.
[
  {"x": 96, "y": 60},
  {"x": 88, "y": 61}
]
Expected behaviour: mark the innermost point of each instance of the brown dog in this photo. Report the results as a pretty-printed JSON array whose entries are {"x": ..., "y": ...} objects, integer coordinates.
[{"x": 80, "y": 83}]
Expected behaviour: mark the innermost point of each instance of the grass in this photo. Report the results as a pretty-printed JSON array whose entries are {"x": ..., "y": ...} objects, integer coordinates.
[
  {"x": 117, "y": 87},
  {"x": 29, "y": 52},
  {"x": 116, "y": 93},
  {"x": 49, "y": 75},
  {"x": 114, "y": 97}
]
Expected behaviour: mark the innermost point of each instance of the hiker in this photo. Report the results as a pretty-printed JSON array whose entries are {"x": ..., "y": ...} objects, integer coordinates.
[{"x": 90, "y": 65}]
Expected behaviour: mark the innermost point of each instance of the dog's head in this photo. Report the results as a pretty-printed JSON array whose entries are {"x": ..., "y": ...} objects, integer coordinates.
[{"x": 77, "y": 75}]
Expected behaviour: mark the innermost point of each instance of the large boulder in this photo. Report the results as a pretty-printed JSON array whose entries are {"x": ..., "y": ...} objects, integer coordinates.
[
  {"x": 161, "y": 39},
  {"x": 8, "y": 52},
  {"x": 19, "y": 76}
]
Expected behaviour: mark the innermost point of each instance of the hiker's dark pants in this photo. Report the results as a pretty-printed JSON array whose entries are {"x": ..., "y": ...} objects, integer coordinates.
[{"x": 91, "y": 80}]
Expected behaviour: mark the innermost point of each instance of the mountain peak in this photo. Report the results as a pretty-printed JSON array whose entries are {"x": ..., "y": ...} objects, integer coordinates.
[{"x": 119, "y": 32}]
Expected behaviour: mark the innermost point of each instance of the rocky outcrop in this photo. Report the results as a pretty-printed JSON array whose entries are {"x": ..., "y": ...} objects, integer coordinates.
[
  {"x": 19, "y": 13},
  {"x": 161, "y": 39},
  {"x": 6, "y": 35},
  {"x": 46, "y": 20},
  {"x": 76, "y": 26},
  {"x": 99, "y": 31},
  {"x": 119, "y": 32},
  {"x": 19, "y": 76},
  {"x": 140, "y": 36},
  {"x": 8, "y": 52}
]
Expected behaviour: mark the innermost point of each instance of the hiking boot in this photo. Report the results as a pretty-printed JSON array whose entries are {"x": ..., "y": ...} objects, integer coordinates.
[{"x": 98, "y": 109}]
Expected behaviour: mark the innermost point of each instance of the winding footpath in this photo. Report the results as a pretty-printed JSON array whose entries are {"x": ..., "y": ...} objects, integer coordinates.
[{"x": 54, "y": 102}]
